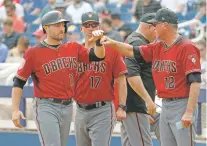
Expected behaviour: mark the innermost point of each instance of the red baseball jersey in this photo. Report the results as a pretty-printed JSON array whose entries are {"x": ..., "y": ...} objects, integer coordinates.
[
  {"x": 171, "y": 65},
  {"x": 95, "y": 80},
  {"x": 53, "y": 70}
]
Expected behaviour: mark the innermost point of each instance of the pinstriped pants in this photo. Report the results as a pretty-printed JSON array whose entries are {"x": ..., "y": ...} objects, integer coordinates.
[
  {"x": 172, "y": 112},
  {"x": 135, "y": 130},
  {"x": 52, "y": 121}
]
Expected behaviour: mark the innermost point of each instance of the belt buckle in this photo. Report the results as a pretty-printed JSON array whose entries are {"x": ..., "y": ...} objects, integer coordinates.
[
  {"x": 62, "y": 101},
  {"x": 81, "y": 105},
  {"x": 84, "y": 105}
]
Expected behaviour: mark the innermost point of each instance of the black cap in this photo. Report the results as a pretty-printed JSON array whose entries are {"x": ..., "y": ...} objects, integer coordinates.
[
  {"x": 89, "y": 16},
  {"x": 146, "y": 18},
  {"x": 115, "y": 15},
  {"x": 165, "y": 15}
]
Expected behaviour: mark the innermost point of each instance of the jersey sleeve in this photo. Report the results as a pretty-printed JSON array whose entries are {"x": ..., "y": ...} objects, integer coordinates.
[
  {"x": 119, "y": 67},
  {"x": 26, "y": 65},
  {"x": 191, "y": 59},
  {"x": 144, "y": 52},
  {"x": 83, "y": 54},
  {"x": 133, "y": 67}
]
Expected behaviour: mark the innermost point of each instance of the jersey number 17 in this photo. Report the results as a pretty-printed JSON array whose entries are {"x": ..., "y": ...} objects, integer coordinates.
[{"x": 95, "y": 81}]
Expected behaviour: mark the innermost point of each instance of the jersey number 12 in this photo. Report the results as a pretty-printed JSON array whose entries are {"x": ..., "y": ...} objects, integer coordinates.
[{"x": 169, "y": 82}]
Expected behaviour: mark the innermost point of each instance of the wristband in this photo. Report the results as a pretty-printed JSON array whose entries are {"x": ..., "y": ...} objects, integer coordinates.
[
  {"x": 122, "y": 106},
  {"x": 98, "y": 44}
]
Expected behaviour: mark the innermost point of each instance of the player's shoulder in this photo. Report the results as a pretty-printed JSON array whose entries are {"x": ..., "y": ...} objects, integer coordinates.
[
  {"x": 32, "y": 49},
  {"x": 156, "y": 44},
  {"x": 187, "y": 44},
  {"x": 136, "y": 39},
  {"x": 37, "y": 46},
  {"x": 73, "y": 45}
]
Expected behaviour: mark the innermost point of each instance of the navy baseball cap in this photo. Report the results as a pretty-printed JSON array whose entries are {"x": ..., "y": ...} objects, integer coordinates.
[
  {"x": 165, "y": 15},
  {"x": 115, "y": 15},
  {"x": 89, "y": 16},
  {"x": 146, "y": 18}
]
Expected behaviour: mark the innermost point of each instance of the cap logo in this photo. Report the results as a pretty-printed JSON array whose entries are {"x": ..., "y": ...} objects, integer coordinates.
[
  {"x": 89, "y": 15},
  {"x": 60, "y": 15},
  {"x": 163, "y": 18}
]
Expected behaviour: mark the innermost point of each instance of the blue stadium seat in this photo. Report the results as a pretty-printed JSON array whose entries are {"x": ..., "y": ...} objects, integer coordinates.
[
  {"x": 112, "y": 7},
  {"x": 126, "y": 17},
  {"x": 126, "y": 7},
  {"x": 190, "y": 15},
  {"x": 32, "y": 28},
  {"x": 181, "y": 18},
  {"x": 32, "y": 42},
  {"x": 133, "y": 25},
  {"x": 28, "y": 18}
]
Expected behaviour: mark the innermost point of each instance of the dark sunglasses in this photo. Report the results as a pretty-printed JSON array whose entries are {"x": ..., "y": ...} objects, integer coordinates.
[
  {"x": 155, "y": 24},
  {"x": 93, "y": 25},
  {"x": 6, "y": 23}
]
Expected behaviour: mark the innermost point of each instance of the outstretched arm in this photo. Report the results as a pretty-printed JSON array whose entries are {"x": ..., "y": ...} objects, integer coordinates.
[{"x": 123, "y": 48}]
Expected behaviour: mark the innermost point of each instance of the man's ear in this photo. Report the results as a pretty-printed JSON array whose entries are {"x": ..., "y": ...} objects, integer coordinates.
[
  {"x": 81, "y": 29},
  {"x": 44, "y": 28}
]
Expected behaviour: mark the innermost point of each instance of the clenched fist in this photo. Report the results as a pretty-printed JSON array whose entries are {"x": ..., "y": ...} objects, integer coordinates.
[
  {"x": 120, "y": 114},
  {"x": 96, "y": 35}
]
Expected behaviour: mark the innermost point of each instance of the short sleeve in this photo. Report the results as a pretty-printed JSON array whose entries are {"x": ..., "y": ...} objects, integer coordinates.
[
  {"x": 83, "y": 54},
  {"x": 133, "y": 67},
  {"x": 119, "y": 67},
  {"x": 144, "y": 52},
  {"x": 191, "y": 59},
  {"x": 26, "y": 65}
]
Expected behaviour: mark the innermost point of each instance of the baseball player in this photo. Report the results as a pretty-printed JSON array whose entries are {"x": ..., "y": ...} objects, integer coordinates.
[
  {"x": 95, "y": 114},
  {"x": 141, "y": 89},
  {"x": 176, "y": 73},
  {"x": 53, "y": 66}
]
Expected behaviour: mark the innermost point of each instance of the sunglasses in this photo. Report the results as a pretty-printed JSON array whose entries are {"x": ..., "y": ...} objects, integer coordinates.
[
  {"x": 88, "y": 25},
  {"x": 6, "y": 23},
  {"x": 155, "y": 24}
]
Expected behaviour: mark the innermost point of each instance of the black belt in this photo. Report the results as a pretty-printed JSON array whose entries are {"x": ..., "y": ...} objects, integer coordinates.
[
  {"x": 91, "y": 106},
  {"x": 175, "y": 98},
  {"x": 60, "y": 101}
]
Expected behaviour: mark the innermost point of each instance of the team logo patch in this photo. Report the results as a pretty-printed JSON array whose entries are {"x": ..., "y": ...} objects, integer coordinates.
[
  {"x": 22, "y": 63},
  {"x": 193, "y": 58}
]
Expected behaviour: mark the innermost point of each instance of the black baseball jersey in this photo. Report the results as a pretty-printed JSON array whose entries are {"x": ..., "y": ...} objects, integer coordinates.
[{"x": 134, "y": 102}]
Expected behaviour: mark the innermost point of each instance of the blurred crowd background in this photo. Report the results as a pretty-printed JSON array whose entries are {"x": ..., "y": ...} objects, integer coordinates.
[
  {"x": 20, "y": 27},
  {"x": 20, "y": 20}
]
